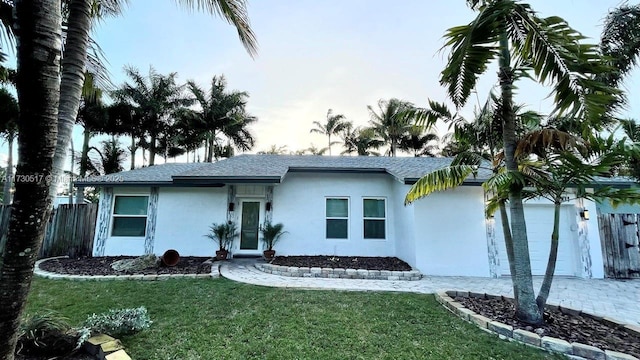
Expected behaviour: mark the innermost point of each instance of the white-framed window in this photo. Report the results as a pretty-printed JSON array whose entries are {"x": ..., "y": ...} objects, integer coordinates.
[
  {"x": 374, "y": 211},
  {"x": 337, "y": 214},
  {"x": 129, "y": 215}
]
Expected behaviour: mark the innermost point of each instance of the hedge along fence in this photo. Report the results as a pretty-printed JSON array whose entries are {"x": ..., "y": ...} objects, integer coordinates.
[{"x": 69, "y": 231}]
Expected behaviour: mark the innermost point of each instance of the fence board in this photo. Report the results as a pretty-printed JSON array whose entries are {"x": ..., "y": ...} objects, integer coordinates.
[
  {"x": 619, "y": 234},
  {"x": 69, "y": 231}
]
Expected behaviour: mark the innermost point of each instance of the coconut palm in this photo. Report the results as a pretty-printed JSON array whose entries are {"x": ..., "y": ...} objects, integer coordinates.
[
  {"x": 546, "y": 49},
  {"x": 9, "y": 114},
  {"x": 333, "y": 125},
  {"x": 38, "y": 87},
  {"x": 391, "y": 121}
]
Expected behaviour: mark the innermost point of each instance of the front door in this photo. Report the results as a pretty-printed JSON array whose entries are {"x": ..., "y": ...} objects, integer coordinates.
[{"x": 249, "y": 225}]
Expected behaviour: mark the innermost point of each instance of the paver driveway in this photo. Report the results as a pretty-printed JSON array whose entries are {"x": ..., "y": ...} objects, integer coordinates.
[{"x": 619, "y": 299}]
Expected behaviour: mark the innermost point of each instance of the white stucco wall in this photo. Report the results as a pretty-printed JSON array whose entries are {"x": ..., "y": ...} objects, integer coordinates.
[
  {"x": 404, "y": 225},
  {"x": 299, "y": 203},
  {"x": 184, "y": 217},
  {"x": 450, "y": 233}
]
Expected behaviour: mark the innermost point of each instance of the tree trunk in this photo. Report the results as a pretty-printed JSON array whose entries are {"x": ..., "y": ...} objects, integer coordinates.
[
  {"x": 543, "y": 294},
  {"x": 526, "y": 308},
  {"x": 73, "y": 160},
  {"x": 84, "y": 163},
  {"x": 38, "y": 30},
  {"x": 132, "y": 150},
  {"x": 329, "y": 136},
  {"x": 8, "y": 181},
  {"x": 152, "y": 150},
  {"x": 73, "y": 69},
  {"x": 508, "y": 243},
  {"x": 393, "y": 147}
]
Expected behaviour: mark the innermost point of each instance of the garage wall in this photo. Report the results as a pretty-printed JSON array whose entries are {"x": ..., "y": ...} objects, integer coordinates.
[
  {"x": 450, "y": 233},
  {"x": 404, "y": 225}
]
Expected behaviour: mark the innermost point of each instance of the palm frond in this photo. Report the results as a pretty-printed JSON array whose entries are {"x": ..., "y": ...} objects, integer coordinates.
[{"x": 439, "y": 180}]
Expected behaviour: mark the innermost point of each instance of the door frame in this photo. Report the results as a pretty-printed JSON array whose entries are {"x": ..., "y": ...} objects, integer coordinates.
[{"x": 261, "y": 217}]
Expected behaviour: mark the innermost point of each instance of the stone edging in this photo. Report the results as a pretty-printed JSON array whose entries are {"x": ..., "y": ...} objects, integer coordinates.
[
  {"x": 338, "y": 273},
  {"x": 215, "y": 273},
  {"x": 504, "y": 331}
]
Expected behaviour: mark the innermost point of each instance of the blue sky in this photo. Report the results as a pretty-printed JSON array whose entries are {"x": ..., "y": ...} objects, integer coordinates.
[{"x": 319, "y": 54}]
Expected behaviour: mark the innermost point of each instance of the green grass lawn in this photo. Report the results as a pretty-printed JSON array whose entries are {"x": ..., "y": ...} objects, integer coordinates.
[{"x": 221, "y": 319}]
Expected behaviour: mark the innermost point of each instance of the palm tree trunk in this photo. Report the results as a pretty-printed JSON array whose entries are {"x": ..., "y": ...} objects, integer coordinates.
[
  {"x": 152, "y": 150},
  {"x": 9, "y": 175},
  {"x": 543, "y": 294},
  {"x": 132, "y": 150},
  {"x": 393, "y": 146},
  {"x": 329, "y": 136},
  {"x": 84, "y": 163},
  {"x": 526, "y": 308},
  {"x": 508, "y": 243},
  {"x": 38, "y": 30},
  {"x": 73, "y": 69}
]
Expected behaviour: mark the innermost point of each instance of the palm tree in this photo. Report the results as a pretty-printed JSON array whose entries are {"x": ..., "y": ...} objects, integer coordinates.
[
  {"x": 333, "y": 125},
  {"x": 37, "y": 83},
  {"x": 361, "y": 141},
  {"x": 391, "y": 121},
  {"x": 620, "y": 41},
  {"x": 418, "y": 143},
  {"x": 111, "y": 156},
  {"x": 546, "y": 49},
  {"x": 155, "y": 98},
  {"x": 314, "y": 150},
  {"x": 274, "y": 150},
  {"x": 222, "y": 113},
  {"x": 79, "y": 23},
  {"x": 9, "y": 114}
]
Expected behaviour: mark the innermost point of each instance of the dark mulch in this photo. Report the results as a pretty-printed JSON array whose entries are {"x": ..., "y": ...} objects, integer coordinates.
[
  {"x": 102, "y": 266},
  {"x": 572, "y": 328},
  {"x": 76, "y": 356},
  {"x": 345, "y": 262}
]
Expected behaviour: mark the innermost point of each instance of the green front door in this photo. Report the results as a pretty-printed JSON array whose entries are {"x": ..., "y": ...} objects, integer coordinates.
[{"x": 250, "y": 223}]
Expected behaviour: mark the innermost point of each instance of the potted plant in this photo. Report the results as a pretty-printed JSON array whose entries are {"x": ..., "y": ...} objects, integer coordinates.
[
  {"x": 223, "y": 234},
  {"x": 271, "y": 234}
]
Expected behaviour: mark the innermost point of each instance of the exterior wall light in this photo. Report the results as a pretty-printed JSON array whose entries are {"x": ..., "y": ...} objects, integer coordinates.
[
  {"x": 267, "y": 206},
  {"x": 231, "y": 206},
  {"x": 584, "y": 214}
]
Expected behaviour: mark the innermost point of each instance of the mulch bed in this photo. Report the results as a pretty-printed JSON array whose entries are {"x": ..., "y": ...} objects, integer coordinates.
[
  {"x": 571, "y": 328},
  {"x": 102, "y": 266},
  {"x": 344, "y": 262}
]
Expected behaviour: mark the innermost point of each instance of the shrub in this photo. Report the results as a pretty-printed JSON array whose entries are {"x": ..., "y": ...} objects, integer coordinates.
[
  {"x": 46, "y": 335},
  {"x": 117, "y": 322}
]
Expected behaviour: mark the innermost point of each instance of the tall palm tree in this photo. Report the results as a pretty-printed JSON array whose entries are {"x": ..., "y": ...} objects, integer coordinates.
[
  {"x": 620, "y": 40},
  {"x": 155, "y": 98},
  {"x": 222, "y": 113},
  {"x": 9, "y": 114},
  {"x": 110, "y": 157},
  {"x": 333, "y": 125},
  {"x": 38, "y": 86},
  {"x": 391, "y": 121},
  {"x": 81, "y": 16},
  {"x": 546, "y": 49}
]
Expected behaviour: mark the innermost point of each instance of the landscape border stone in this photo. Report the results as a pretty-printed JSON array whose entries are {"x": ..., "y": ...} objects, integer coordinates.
[
  {"x": 338, "y": 273},
  {"x": 215, "y": 273},
  {"x": 547, "y": 343}
]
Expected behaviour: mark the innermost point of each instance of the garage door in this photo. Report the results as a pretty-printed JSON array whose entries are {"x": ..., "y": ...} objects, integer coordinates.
[{"x": 539, "y": 220}]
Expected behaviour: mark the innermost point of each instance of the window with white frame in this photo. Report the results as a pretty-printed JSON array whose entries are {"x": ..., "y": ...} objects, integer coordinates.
[
  {"x": 374, "y": 212},
  {"x": 129, "y": 215},
  {"x": 337, "y": 213}
]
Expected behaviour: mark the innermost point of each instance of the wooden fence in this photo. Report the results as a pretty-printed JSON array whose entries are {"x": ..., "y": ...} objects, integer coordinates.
[
  {"x": 620, "y": 236},
  {"x": 69, "y": 231}
]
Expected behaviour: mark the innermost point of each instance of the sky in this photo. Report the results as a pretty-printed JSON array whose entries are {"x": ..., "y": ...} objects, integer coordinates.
[{"x": 316, "y": 55}]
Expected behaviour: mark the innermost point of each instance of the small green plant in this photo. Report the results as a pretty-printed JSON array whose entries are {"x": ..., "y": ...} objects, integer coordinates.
[
  {"x": 117, "y": 322},
  {"x": 271, "y": 234},
  {"x": 223, "y": 234},
  {"x": 46, "y": 334}
]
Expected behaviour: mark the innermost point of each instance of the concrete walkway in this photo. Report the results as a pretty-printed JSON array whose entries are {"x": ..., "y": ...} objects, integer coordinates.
[{"x": 618, "y": 299}]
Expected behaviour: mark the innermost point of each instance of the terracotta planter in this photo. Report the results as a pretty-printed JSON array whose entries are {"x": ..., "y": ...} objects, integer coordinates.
[
  {"x": 269, "y": 254},
  {"x": 221, "y": 254},
  {"x": 170, "y": 258}
]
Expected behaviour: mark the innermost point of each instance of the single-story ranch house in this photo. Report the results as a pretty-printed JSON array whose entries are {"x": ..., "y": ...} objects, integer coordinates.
[{"x": 331, "y": 206}]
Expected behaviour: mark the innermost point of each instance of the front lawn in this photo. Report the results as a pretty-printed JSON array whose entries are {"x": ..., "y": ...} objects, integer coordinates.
[{"x": 221, "y": 319}]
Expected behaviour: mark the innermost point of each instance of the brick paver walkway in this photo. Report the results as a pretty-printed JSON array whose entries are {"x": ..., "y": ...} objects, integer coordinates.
[{"x": 619, "y": 299}]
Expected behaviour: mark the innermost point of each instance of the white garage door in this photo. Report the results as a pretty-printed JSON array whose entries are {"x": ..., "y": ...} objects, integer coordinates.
[{"x": 539, "y": 220}]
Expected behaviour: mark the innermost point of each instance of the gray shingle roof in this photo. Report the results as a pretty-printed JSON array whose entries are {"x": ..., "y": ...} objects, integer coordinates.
[{"x": 273, "y": 169}]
